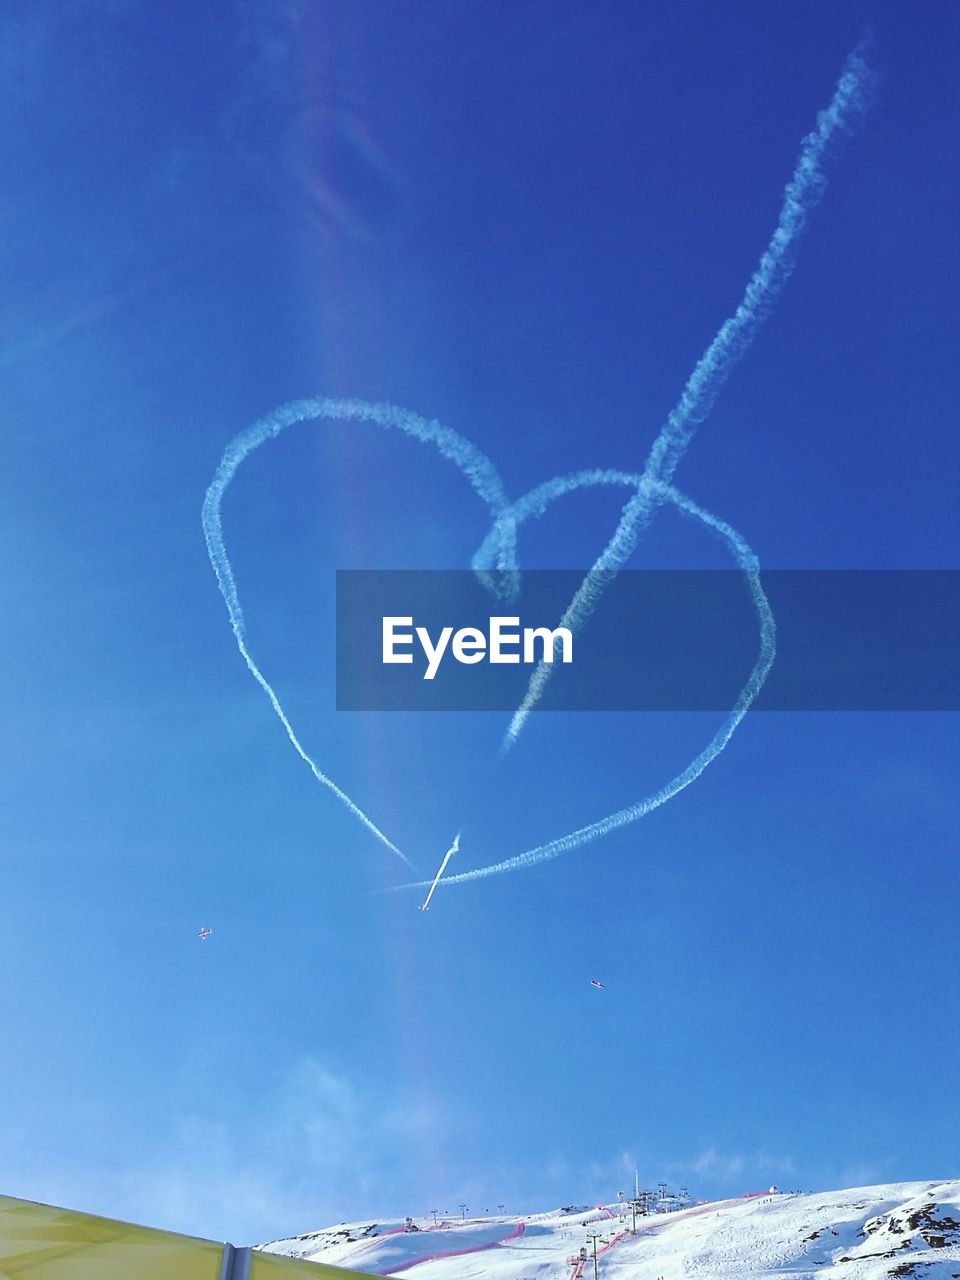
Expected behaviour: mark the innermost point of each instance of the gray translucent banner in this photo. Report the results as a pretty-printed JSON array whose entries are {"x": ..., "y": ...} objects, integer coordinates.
[{"x": 686, "y": 640}]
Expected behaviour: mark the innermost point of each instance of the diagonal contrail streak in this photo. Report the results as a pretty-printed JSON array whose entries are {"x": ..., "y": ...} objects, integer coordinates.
[
  {"x": 801, "y": 195},
  {"x": 454, "y": 848}
]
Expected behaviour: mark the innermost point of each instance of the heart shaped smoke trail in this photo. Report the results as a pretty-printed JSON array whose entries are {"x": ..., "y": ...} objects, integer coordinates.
[
  {"x": 802, "y": 193},
  {"x": 651, "y": 489},
  {"x": 475, "y": 466}
]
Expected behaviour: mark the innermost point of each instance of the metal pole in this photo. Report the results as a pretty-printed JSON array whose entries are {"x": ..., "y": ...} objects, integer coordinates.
[
  {"x": 235, "y": 1264},
  {"x": 595, "y": 1239}
]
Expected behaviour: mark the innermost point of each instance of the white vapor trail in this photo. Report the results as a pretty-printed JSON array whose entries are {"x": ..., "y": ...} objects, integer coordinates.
[
  {"x": 442, "y": 868},
  {"x": 534, "y": 504},
  {"x": 801, "y": 195},
  {"x": 475, "y": 466},
  {"x": 496, "y": 563}
]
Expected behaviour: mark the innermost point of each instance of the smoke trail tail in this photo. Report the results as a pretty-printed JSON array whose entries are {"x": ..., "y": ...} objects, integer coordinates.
[
  {"x": 442, "y": 868},
  {"x": 802, "y": 193}
]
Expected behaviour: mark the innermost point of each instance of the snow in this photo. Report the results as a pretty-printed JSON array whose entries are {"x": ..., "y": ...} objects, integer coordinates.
[{"x": 909, "y": 1230}]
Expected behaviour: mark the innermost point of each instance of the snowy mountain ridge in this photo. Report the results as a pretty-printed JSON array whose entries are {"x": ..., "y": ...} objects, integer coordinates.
[{"x": 906, "y": 1231}]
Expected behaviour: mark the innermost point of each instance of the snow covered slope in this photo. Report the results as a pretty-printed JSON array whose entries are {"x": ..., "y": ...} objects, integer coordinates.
[{"x": 909, "y": 1229}]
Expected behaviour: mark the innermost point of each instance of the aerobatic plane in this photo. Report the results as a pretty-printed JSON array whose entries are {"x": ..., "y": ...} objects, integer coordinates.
[
  {"x": 595, "y": 983},
  {"x": 204, "y": 934}
]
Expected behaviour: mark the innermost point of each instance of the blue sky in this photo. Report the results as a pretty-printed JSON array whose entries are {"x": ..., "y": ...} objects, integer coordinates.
[{"x": 526, "y": 221}]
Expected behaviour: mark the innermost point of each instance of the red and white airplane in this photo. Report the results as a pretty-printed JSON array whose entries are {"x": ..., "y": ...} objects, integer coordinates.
[{"x": 204, "y": 933}]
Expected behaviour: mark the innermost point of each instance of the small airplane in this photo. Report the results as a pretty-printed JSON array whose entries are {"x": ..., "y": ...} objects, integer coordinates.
[
  {"x": 595, "y": 983},
  {"x": 204, "y": 933}
]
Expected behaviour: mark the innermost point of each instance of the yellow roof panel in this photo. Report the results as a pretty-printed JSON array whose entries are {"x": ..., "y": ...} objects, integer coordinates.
[{"x": 41, "y": 1242}]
